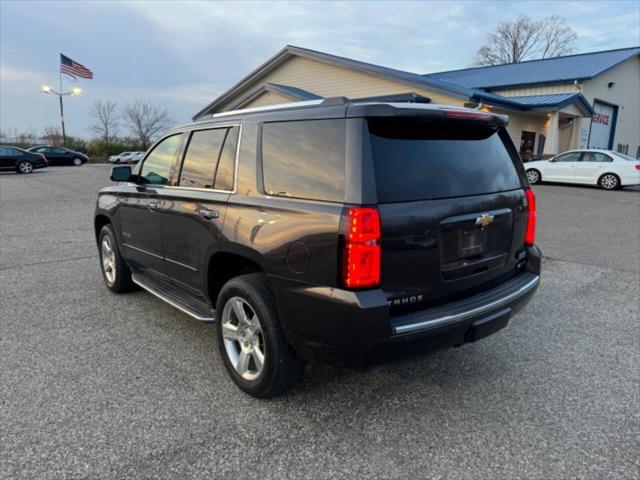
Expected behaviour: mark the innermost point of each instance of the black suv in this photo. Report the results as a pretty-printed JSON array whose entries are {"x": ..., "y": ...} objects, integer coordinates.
[{"x": 328, "y": 230}]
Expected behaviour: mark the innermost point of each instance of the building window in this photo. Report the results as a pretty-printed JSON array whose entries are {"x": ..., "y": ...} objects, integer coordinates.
[
  {"x": 623, "y": 148},
  {"x": 527, "y": 142}
]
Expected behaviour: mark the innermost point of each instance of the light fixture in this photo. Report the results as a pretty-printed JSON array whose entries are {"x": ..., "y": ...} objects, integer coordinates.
[
  {"x": 46, "y": 88},
  {"x": 76, "y": 91}
]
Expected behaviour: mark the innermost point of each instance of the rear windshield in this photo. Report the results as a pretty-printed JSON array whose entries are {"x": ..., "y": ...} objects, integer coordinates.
[{"x": 425, "y": 161}]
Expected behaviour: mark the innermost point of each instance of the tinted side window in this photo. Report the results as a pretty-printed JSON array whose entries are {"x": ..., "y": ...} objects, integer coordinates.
[
  {"x": 201, "y": 158},
  {"x": 595, "y": 157},
  {"x": 157, "y": 166},
  {"x": 227, "y": 163},
  {"x": 568, "y": 157},
  {"x": 5, "y": 152},
  {"x": 304, "y": 159}
]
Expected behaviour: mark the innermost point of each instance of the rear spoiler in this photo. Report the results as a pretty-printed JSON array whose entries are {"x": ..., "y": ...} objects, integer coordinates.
[{"x": 426, "y": 112}]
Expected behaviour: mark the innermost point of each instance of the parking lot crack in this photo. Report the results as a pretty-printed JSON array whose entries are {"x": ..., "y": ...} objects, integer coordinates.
[{"x": 62, "y": 260}]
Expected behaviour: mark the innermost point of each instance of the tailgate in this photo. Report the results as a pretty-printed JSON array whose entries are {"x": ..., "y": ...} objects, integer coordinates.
[{"x": 437, "y": 251}]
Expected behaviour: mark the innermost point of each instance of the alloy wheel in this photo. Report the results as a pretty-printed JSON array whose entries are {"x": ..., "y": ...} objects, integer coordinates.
[
  {"x": 609, "y": 181},
  {"x": 533, "y": 176},
  {"x": 77, "y": 162},
  {"x": 108, "y": 260},
  {"x": 243, "y": 338},
  {"x": 25, "y": 167}
]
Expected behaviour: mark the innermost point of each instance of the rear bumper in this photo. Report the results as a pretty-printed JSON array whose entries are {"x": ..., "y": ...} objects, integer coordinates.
[
  {"x": 339, "y": 326},
  {"x": 631, "y": 179}
]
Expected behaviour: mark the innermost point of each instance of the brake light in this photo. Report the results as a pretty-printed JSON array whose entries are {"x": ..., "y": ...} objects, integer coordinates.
[
  {"x": 463, "y": 114},
  {"x": 637, "y": 166},
  {"x": 361, "y": 255},
  {"x": 530, "y": 234}
]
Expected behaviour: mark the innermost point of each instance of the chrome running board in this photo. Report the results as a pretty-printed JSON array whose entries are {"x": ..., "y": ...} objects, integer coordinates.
[{"x": 181, "y": 302}]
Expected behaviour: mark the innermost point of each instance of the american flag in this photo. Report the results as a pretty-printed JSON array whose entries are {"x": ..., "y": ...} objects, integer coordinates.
[{"x": 75, "y": 69}]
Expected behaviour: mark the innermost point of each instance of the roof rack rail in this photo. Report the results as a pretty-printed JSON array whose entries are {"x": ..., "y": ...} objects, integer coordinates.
[{"x": 269, "y": 108}]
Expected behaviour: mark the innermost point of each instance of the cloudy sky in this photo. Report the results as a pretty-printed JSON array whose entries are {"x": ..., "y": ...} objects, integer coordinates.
[{"x": 184, "y": 54}]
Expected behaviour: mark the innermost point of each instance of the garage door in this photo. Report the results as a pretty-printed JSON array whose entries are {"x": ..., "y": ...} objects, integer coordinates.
[{"x": 601, "y": 125}]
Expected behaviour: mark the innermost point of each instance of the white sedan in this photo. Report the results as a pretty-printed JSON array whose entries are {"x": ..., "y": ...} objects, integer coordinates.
[
  {"x": 121, "y": 157},
  {"x": 606, "y": 168}
]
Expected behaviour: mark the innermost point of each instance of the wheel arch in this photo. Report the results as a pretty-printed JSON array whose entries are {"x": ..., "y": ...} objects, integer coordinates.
[
  {"x": 224, "y": 265},
  {"x": 100, "y": 221},
  {"x": 608, "y": 172}
]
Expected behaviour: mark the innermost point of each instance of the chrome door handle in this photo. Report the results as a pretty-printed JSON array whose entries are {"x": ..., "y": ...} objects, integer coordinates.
[{"x": 208, "y": 214}]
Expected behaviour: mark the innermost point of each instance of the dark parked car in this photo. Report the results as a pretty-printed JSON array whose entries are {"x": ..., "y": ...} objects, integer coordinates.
[
  {"x": 328, "y": 231},
  {"x": 61, "y": 156},
  {"x": 22, "y": 161}
]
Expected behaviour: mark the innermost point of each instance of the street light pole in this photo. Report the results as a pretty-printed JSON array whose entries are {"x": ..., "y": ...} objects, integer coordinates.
[
  {"x": 60, "y": 94},
  {"x": 64, "y": 134}
]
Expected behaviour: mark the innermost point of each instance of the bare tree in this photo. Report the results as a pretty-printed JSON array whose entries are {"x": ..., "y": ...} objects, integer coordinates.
[
  {"x": 146, "y": 120},
  {"x": 52, "y": 135},
  {"x": 105, "y": 120},
  {"x": 526, "y": 39}
]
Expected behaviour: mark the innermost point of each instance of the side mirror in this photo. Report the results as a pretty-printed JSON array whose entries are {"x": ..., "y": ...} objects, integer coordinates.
[{"x": 120, "y": 174}]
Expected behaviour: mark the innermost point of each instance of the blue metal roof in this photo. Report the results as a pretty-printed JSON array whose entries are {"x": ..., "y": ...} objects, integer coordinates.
[{"x": 549, "y": 70}]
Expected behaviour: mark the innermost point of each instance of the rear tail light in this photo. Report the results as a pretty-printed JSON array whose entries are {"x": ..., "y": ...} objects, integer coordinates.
[
  {"x": 361, "y": 254},
  {"x": 637, "y": 166},
  {"x": 530, "y": 234}
]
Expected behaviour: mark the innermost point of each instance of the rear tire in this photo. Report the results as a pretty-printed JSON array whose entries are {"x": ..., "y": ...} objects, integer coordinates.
[
  {"x": 25, "y": 167},
  {"x": 250, "y": 340},
  {"x": 609, "y": 181},
  {"x": 115, "y": 272},
  {"x": 533, "y": 176}
]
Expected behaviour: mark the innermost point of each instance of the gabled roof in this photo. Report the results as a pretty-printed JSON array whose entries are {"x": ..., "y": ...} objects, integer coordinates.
[
  {"x": 549, "y": 70},
  {"x": 292, "y": 93},
  {"x": 407, "y": 78},
  {"x": 427, "y": 82}
]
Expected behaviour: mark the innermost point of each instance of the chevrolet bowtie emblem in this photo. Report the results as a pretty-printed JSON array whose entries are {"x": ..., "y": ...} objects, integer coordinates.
[{"x": 484, "y": 220}]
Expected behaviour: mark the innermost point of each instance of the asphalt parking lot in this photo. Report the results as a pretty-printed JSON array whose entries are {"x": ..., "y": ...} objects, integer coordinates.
[{"x": 97, "y": 385}]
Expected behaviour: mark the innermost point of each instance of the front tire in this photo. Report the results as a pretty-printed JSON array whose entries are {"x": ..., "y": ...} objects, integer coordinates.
[
  {"x": 115, "y": 272},
  {"x": 77, "y": 161},
  {"x": 25, "y": 167},
  {"x": 533, "y": 176},
  {"x": 609, "y": 181},
  {"x": 250, "y": 340}
]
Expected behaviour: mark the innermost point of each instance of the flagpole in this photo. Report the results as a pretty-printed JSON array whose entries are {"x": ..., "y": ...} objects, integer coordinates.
[{"x": 64, "y": 135}]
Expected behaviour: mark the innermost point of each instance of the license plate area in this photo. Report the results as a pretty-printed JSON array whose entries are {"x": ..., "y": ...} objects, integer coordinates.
[
  {"x": 471, "y": 243},
  {"x": 475, "y": 243}
]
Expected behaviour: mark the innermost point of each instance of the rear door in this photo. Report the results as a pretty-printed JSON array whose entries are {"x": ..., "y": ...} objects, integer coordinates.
[
  {"x": 562, "y": 168},
  {"x": 593, "y": 165},
  {"x": 138, "y": 212},
  {"x": 57, "y": 156},
  {"x": 7, "y": 158},
  {"x": 195, "y": 207},
  {"x": 452, "y": 208}
]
